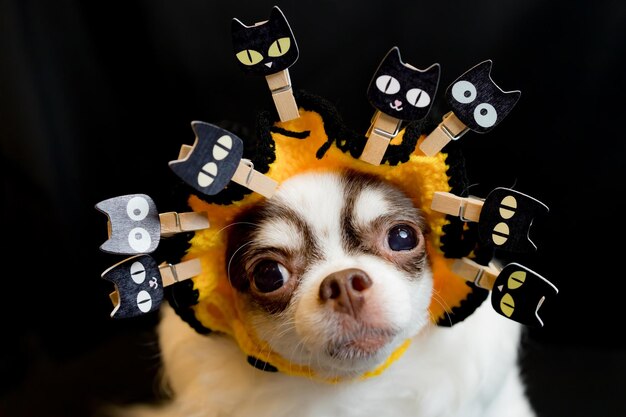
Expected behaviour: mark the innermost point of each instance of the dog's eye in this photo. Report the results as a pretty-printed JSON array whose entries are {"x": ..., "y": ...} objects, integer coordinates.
[
  {"x": 402, "y": 237},
  {"x": 270, "y": 276}
]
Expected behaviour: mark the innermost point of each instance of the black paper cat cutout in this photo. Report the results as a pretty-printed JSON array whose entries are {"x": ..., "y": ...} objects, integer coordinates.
[
  {"x": 138, "y": 285},
  {"x": 213, "y": 160},
  {"x": 506, "y": 218},
  {"x": 265, "y": 48},
  {"x": 518, "y": 293},
  {"x": 477, "y": 101},
  {"x": 402, "y": 91}
]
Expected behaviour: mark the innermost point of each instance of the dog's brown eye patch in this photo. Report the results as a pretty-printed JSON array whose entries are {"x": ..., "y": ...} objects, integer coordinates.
[
  {"x": 402, "y": 237},
  {"x": 269, "y": 276}
]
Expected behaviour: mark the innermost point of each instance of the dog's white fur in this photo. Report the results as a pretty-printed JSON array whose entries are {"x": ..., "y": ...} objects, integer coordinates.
[{"x": 468, "y": 370}]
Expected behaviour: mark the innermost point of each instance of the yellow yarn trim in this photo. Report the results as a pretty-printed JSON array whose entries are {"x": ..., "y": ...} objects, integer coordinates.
[{"x": 218, "y": 306}]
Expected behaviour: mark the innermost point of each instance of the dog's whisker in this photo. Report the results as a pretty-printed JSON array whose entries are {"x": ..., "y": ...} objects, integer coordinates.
[
  {"x": 230, "y": 260},
  {"x": 235, "y": 224},
  {"x": 439, "y": 300}
]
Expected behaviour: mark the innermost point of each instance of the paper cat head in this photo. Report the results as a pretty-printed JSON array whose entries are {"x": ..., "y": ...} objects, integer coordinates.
[
  {"x": 402, "y": 91},
  {"x": 518, "y": 293},
  {"x": 477, "y": 101},
  {"x": 138, "y": 286},
  {"x": 265, "y": 48}
]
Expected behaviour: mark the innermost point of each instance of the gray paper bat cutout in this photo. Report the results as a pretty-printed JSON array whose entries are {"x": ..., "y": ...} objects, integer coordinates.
[
  {"x": 135, "y": 224},
  {"x": 138, "y": 284},
  {"x": 213, "y": 160}
]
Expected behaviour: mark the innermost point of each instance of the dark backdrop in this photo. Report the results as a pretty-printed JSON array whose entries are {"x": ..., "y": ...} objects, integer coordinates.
[{"x": 96, "y": 98}]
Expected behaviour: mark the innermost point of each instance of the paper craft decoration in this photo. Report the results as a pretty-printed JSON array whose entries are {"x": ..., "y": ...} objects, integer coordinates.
[
  {"x": 269, "y": 48},
  {"x": 135, "y": 226},
  {"x": 477, "y": 104},
  {"x": 215, "y": 159},
  {"x": 139, "y": 283},
  {"x": 516, "y": 291},
  {"x": 504, "y": 217},
  {"x": 399, "y": 92}
]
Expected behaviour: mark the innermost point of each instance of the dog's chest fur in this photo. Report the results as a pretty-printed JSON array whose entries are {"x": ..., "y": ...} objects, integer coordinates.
[{"x": 468, "y": 370}]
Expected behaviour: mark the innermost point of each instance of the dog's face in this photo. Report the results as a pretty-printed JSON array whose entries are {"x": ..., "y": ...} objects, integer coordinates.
[{"x": 333, "y": 271}]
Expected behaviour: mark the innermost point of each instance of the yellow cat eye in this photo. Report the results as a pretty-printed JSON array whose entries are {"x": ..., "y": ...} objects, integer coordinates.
[
  {"x": 249, "y": 57},
  {"x": 279, "y": 47},
  {"x": 516, "y": 280}
]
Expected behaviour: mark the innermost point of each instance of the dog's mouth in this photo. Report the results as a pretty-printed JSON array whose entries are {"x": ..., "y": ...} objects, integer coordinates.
[{"x": 362, "y": 344}]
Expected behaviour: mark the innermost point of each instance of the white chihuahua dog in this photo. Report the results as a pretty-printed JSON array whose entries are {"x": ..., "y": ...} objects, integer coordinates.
[{"x": 335, "y": 270}]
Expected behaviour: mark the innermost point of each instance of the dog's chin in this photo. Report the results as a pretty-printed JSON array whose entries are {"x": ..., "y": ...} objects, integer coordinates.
[
  {"x": 352, "y": 355},
  {"x": 340, "y": 348},
  {"x": 362, "y": 346},
  {"x": 356, "y": 352}
]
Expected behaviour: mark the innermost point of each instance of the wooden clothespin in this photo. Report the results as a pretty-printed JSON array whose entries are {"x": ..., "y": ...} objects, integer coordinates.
[
  {"x": 477, "y": 103},
  {"x": 135, "y": 226},
  {"x": 139, "y": 283},
  {"x": 504, "y": 217},
  {"x": 215, "y": 159},
  {"x": 400, "y": 93},
  {"x": 269, "y": 48},
  {"x": 516, "y": 291}
]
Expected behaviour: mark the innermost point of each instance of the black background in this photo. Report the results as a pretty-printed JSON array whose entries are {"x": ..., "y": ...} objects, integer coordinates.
[{"x": 96, "y": 98}]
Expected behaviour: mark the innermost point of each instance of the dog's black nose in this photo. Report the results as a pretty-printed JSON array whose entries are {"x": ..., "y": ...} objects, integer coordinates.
[{"x": 344, "y": 289}]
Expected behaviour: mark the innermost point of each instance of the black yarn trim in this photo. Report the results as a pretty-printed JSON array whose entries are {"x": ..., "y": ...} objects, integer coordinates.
[
  {"x": 181, "y": 296},
  {"x": 290, "y": 133},
  {"x": 349, "y": 141},
  {"x": 460, "y": 238},
  {"x": 397, "y": 154},
  {"x": 262, "y": 365},
  {"x": 466, "y": 308},
  {"x": 336, "y": 130}
]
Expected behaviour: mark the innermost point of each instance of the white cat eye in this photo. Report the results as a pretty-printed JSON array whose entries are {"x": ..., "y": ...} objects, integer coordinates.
[
  {"x": 387, "y": 84},
  {"x": 464, "y": 92},
  {"x": 137, "y": 210},
  {"x": 418, "y": 97},
  {"x": 485, "y": 115}
]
